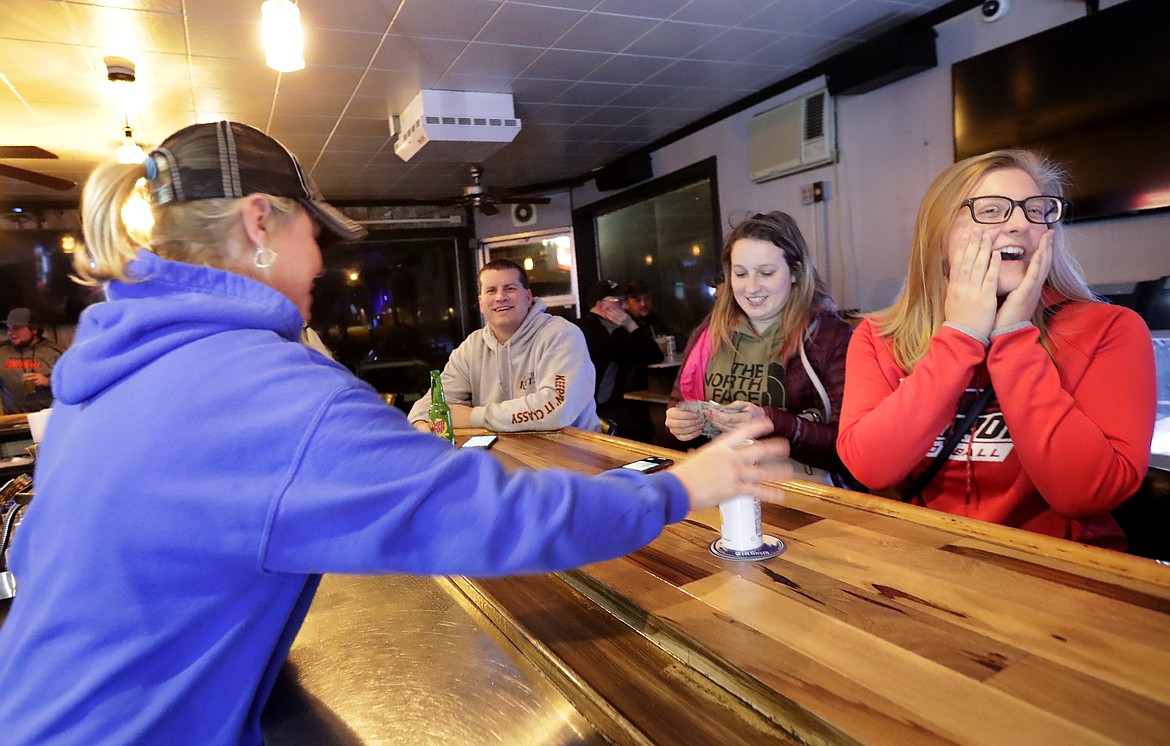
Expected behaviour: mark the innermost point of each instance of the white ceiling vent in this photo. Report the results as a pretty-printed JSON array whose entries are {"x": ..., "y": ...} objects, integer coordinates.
[{"x": 455, "y": 126}]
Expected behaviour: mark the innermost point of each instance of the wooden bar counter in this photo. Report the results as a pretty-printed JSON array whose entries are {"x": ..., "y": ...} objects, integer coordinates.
[{"x": 882, "y": 623}]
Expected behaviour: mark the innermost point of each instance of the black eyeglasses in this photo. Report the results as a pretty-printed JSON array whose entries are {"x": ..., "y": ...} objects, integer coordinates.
[{"x": 1042, "y": 210}]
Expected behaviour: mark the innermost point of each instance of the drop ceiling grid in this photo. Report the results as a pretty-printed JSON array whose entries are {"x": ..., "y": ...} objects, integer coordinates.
[{"x": 592, "y": 79}]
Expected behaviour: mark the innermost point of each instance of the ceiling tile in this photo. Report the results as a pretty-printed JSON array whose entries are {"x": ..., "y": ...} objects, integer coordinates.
[
  {"x": 535, "y": 90},
  {"x": 336, "y": 80},
  {"x": 493, "y": 59},
  {"x": 367, "y": 15},
  {"x": 443, "y": 19},
  {"x": 310, "y": 104},
  {"x": 483, "y": 83},
  {"x": 627, "y": 68},
  {"x": 600, "y": 32},
  {"x": 564, "y": 65},
  {"x": 558, "y": 113},
  {"x": 406, "y": 53},
  {"x": 329, "y": 47},
  {"x": 723, "y": 13},
  {"x": 673, "y": 39},
  {"x": 874, "y": 17},
  {"x": 646, "y": 8},
  {"x": 734, "y": 44},
  {"x": 213, "y": 37},
  {"x": 530, "y": 25},
  {"x": 793, "y": 15},
  {"x": 577, "y": 4},
  {"x": 647, "y": 95},
  {"x": 217, "y": 72},
  {"x": 613, "y": 115},
  {"x": 592, "y": 94}
]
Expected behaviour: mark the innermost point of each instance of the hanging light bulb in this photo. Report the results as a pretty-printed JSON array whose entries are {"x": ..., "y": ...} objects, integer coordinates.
[
  {"x": 283, "y": 42},
  {"x": 129, "y": 151}
]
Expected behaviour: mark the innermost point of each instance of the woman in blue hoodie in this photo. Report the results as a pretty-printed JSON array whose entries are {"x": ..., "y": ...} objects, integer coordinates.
[{"x": 201, "y": 467}]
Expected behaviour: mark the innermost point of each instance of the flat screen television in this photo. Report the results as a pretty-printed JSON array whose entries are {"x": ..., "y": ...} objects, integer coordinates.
[{"x": 1092, "y": 94}]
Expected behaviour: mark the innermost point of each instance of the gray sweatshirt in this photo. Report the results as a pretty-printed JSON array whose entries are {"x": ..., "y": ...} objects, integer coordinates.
[{"x": 540, "y": 379}]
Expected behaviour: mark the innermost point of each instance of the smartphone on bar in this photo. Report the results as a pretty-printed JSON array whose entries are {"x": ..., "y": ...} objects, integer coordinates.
[
  {"x": 649, "y": 464},
  {"x": 479, "y": 441}
]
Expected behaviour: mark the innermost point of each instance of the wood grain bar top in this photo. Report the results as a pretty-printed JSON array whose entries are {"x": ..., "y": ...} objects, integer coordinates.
[{"x": 888, "y": 623}]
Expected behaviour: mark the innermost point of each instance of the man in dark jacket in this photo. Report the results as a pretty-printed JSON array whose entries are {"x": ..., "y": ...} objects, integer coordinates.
[{"x": 619, "y": 349}]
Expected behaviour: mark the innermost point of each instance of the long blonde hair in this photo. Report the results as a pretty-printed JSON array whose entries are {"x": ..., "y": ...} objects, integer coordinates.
[
  {"x": 917, "y": 313},
  {"x": 806, "y": 296},
  {"x": 208, "y": 232}
]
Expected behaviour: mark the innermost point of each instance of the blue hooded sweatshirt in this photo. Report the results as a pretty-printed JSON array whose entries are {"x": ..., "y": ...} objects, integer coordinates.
[{"x": 200, "y": 468}]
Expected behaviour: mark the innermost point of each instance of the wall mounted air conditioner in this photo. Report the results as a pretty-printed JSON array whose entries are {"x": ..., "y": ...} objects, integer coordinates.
[
  {"x": 454, "y": 126},
  {"x": 796, "y": 136}
]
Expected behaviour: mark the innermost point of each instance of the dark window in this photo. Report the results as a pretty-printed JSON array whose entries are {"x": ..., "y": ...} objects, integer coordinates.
[{"x": 665, "y": 233}]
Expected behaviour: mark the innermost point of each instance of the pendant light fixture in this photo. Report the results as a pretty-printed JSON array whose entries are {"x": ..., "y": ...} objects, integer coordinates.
[
  {"x": 129, "y": 151},
  {"x": 283, "y": 41}
]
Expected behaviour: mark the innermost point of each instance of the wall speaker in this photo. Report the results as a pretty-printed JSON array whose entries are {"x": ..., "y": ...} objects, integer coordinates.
[
  {"x": 882, "y": 60},
  {"x": 624, "y": 172}
]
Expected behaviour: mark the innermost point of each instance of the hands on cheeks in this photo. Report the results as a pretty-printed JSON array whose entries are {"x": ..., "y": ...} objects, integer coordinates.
[
  {"x": 972, "y": 281},
  {"x": 1020, "y": 304},
  {"x": 705, "y": 472}
]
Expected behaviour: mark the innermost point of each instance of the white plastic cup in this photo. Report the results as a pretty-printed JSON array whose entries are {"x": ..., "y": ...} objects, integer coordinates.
[
  {"x": 37, "y": 421},
  {"x": 742, "y": 527}
]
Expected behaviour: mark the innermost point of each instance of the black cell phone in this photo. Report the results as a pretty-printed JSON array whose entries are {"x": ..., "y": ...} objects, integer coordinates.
[
  {"x": 649, "y": 464},
  {"x": 480, "y": 441}
]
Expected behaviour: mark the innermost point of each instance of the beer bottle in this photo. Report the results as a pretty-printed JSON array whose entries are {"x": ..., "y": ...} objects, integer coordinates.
[{"x": 440, "y": 414}]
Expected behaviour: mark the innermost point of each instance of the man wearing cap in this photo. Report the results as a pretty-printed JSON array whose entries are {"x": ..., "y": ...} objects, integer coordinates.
[
  {"x": 526, "y": 370},
  {"x": 619, "y": 347},
  {"x": 26, "y": 363},
  {"x": 640, "y": 304}
]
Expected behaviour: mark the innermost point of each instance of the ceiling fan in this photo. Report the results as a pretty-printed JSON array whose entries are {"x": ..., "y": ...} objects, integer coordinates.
[
  {"x": 485, "y": 198},
  {"x": 31, "y": 151}
]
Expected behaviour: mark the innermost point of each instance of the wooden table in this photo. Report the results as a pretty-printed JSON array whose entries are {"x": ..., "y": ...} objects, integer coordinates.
[{"x": 882, "y": 623}]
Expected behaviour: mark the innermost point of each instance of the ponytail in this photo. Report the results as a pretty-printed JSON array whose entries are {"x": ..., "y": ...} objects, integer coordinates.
[{"x": 109, "y": 244}]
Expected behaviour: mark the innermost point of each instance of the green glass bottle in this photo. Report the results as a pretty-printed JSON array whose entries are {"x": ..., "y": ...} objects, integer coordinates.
[{"x": 440, "y": 414}]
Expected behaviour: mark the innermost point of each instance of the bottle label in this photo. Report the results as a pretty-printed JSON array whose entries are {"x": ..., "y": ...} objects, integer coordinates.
[{"x": 439, "y": 427}]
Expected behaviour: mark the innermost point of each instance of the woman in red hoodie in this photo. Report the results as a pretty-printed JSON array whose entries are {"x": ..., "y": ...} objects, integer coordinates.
[{"x": 995, "y": 309}]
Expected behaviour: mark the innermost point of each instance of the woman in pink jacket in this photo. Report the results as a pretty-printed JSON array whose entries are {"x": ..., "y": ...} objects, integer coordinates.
[
  {"x": 773, "y": 349},
  {"x": 996, "y": 329}
]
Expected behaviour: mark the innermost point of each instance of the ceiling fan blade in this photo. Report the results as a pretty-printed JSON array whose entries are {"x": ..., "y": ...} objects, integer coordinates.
[
  {"x": 520, "y": 200},
  {"x": 487, "y": 208},
  {"x": 32, "y": 177},
  {"x": 25, "y": 151}
]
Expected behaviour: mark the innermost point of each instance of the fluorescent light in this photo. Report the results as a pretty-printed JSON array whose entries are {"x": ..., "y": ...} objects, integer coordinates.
[{"x": 283, "y": 43}]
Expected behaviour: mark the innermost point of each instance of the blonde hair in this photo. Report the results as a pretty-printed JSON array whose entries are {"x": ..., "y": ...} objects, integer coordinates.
[
  {"x": 806, "y": 296},
  {"x": 208, "y": 232},
  {"x": 917, "y": 313}
]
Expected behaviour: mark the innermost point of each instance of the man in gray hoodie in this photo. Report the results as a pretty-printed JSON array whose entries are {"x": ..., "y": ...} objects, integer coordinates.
[{"x": 526, "y": 370}]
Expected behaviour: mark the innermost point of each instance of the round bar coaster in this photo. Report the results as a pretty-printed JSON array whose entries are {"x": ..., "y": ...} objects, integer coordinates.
[{"x": 770, "y": 548}]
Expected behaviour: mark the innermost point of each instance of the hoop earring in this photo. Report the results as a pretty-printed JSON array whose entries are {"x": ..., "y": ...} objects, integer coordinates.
[{"x": 264, "y": 257}]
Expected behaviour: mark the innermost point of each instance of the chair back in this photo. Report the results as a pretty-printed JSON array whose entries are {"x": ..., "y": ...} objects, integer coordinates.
[{"x": 1145, "y": 517}]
